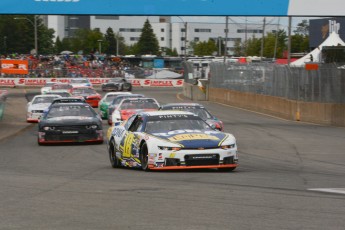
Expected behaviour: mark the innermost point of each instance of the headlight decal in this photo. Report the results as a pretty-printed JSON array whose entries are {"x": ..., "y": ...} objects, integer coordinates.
[{"x": 221, "y": 142}]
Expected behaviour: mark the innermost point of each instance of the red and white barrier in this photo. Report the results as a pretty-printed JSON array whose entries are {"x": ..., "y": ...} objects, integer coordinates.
[{"x": 39, "y": 82}]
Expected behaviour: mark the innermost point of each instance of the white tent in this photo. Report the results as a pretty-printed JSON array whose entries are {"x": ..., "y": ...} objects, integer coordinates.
[{"x": 332, "y": 40}]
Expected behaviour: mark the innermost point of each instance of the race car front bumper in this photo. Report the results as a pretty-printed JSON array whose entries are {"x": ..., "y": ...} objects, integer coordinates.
[{"x": 193, "y": 159}]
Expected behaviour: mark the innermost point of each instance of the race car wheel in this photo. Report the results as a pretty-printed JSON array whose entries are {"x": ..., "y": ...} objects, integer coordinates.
[
  {"x": 144, "y": 157},
  {"x": 115, "y": 163},
  {"x": 226, "y": 169},
  {"x": 127, "y": 87}
]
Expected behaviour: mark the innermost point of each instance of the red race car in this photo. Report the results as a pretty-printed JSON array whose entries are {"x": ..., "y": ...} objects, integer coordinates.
[{"x": 88, "y": 93}]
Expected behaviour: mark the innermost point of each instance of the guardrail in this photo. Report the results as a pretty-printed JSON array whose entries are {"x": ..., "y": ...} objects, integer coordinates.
[{"x": 3, "y": 96}]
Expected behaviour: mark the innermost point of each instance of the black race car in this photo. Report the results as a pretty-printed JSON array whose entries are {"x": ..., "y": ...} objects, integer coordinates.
[
  {"x": 117, "y": 84},
  {"x": 70, "y": 122}
]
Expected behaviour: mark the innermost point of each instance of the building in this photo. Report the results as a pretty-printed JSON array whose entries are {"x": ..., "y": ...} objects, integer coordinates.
[{"x": 170, "y": 34}]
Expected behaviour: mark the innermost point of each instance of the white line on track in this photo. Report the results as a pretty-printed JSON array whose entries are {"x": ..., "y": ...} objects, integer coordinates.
[{"x": 329, "y": 190}]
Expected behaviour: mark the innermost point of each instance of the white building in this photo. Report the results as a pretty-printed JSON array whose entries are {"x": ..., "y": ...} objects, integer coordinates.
[{"x": 169, "y": 34}]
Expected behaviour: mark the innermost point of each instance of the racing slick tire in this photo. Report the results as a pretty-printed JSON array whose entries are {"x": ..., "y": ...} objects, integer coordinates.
[
  {"x": 115, "y": 163},
  {"x": 144, "y": 157},
  {"x": 226, "y": 169},
  {"x": 127, "y": 87}
]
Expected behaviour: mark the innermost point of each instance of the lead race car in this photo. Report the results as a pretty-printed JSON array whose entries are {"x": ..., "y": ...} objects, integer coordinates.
[{"x": 169, "y": 140}]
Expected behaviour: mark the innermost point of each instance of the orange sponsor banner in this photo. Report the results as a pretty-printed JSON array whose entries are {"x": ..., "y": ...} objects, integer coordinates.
[
  {"x": 311, "y": 66},
  {"x": 14, "y": 66}
]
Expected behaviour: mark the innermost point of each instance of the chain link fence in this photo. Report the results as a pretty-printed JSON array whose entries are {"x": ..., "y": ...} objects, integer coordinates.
[{"x": 326, "y": 85}]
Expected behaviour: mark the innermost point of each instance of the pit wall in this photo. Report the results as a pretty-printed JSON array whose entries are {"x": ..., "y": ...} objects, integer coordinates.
[{"x": 320, "y": 113}]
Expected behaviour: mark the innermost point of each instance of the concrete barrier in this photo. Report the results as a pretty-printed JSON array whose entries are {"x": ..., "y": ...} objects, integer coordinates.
[
  {"x": 197, "y": 91},
  {"x": 320, "y": 113}
]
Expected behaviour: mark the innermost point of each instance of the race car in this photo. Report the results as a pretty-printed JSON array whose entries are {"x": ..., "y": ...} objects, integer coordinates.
[
  {"x": 47, "y": 87},
  {"x": 61, "y": 86},
  {"x": 38, "y": 105},
  {"x": 88, "y": 93},
  {"x": 199, "y": 110},
  {"x": 61, "y": 92},
  {"x": 115, "y": 103},
  {"x": 117, "y": 84},
  {"x": 77, "y": 82},
  {"x": 169, "y": 140},
  {"x": 129, "y": 106},
  {"x": 106, "y": 100},
  {"x": 70, "y": 122}
]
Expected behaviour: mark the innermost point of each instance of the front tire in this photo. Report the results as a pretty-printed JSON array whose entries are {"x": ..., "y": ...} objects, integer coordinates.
[
  {"x": 144, "y": 157},
  {"x": 115, "y": 163}
]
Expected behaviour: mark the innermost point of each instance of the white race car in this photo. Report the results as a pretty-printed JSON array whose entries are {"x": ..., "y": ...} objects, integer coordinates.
[
  {"x": 38, "y": 105},
  {"x": 166, "y": 140},
  {"x": 47, "y": 87}
]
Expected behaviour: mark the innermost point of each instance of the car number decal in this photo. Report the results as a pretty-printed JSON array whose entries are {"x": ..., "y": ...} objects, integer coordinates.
[{"x": 127, "y": 147}]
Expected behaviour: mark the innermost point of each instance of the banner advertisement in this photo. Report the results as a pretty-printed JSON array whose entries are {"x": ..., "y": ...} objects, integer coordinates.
[
  {"x": 39, "y": 82},
  {"x": 14, "y": 66}
]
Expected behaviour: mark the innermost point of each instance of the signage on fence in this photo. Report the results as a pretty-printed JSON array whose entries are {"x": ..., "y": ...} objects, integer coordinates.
[
  {"x": 13, "y": 82},
  {"x": 14, "y": 66}
]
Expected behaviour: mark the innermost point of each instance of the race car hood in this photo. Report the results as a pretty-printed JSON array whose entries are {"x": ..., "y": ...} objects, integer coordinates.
[
  {"x": 70, "y": 120},
  {"x": 194, "y": 138}
]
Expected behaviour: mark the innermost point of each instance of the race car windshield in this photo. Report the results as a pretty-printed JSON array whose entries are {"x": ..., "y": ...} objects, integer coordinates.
[
  {"x": 70, "y": 110},
  {"x": 201, "y": 112},
  {"x": 166, "y": 125},
  {"x": 117, "y": 100},
  {"x": 79, "y": 81},
  {"x": 140, "y": 104},
  {"x": 110, "y": 98},
  {"x": 39, "y": 100},
  {"x": 61, "y": 87},
  {"x": 116, "y": 80},
  {"x": 49, "y": 84},
  {"x": 83, "y": 91}
]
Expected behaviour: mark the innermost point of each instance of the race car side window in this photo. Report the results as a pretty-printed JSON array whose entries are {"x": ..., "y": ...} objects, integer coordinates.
[
  {"x": 137, "y": 125},
  {"x": 129, "y": 122}
]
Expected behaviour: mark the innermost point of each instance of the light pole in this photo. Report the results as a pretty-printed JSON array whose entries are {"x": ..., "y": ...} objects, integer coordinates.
[
  {"x": 34, "y": 23},
  {"x": 117, "y": 46},
  {"x": 219, "y": 46},
  {"x": 100, "y": 46}
]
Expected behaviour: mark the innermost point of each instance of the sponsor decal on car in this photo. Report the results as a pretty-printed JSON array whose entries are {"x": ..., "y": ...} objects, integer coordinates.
[{"x": 201, "y": 136}]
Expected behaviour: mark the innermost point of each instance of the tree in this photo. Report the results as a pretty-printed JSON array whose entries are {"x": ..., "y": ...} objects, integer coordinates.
[
  {"x": 253, "y": 46},
  {"x": 300, "y": 40},
  {"x": 302, "y": 28},
  {"x": 87, "y": 40},
  {"x": 111, "y": 41},
  {"x": 205, "y": 48},
  {"x": 238, "y": 50},
  {"x": 148, "y": 42},
  {"x": 24, "y": 41}
]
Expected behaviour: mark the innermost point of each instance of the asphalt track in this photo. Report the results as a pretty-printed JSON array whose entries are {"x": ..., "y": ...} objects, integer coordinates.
[{"x": 283, "y": 166}]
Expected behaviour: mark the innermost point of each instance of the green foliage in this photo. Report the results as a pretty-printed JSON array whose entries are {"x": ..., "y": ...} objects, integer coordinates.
[
  {"x": 148, "y": 43},
  {"x": 253, "y": 46},
  {"x": 205, "y": 48},
  {"x": 111, "y": 41},
  {"x": 302, "y": 28},
  {"x": 20, "y": 36},
  {"x": 238, "y": 50}
]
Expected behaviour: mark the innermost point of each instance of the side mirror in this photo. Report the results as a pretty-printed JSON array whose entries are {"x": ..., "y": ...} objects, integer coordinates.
[{"x": 213, "y": 126}]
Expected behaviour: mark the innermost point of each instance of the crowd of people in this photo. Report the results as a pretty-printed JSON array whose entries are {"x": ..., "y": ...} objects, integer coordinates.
[{"x": 70, "y": 66}]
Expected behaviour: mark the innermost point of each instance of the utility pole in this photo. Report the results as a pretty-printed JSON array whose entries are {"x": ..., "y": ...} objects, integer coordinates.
[
  {"x": 289, "y": 42},
  {"x": 226, "y": 38},
  {"x": 262, "y": 39}
]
